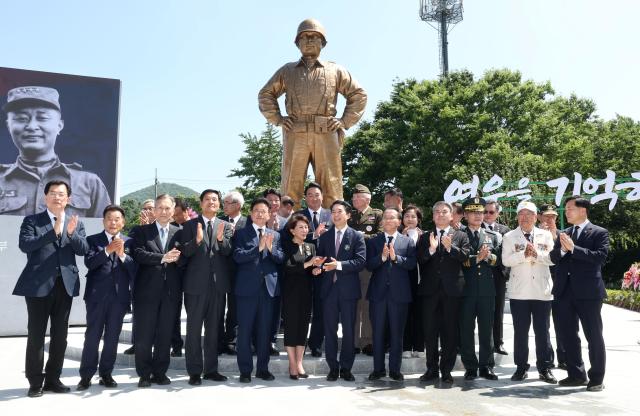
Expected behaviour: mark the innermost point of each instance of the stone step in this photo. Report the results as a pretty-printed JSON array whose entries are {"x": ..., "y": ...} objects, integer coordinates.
[{"x": 278, "y": 365}]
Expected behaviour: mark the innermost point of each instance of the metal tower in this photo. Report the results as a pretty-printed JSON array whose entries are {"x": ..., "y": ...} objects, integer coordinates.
[{"x": 442, "y": 15}]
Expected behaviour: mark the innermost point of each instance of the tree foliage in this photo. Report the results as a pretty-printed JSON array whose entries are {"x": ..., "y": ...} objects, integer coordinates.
[
  {"x": 261, "y": 164},
  {"x": 431, "y": 132}
]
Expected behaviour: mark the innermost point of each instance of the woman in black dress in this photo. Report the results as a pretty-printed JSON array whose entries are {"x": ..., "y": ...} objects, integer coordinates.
[
  {"x": 413, "y": 344},
  {"x": 296, "y": 291}
]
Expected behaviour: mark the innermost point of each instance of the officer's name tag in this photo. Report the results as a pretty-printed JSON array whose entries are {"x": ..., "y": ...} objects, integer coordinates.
[{"x": 519, "y": 247}]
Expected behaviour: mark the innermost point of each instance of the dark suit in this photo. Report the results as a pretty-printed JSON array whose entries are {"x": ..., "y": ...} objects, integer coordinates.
[
  {"x": 441, "y": 284},
  {"x": 579, "y": 291},
  {"x": 316, "y": 333},
  {"x": 500, "y": 277},
  {"x": 107, "y": 296},
  {"x": 228, "y": 328},
  {"x": 155, "y": 296},
  {"x": 48, "y": 283},
  {"x": 389, "y": 295},
  {"x": 340, "y": 292},
  {"x": 205, "y": 283},
  {"x": 256, "y": 287}
]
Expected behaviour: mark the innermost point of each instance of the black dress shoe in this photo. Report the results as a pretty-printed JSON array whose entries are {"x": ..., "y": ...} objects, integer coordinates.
[
  {"x": 488, "y": 373},
  {"x": 265, "y": 375},
  {"x": 303, "y": 375},
  {"x": 377, "y": 375},
  {"x": 572, "y": 382},
  {"x": 176, "y": 352},
  {"x": 429, "y": 375},
  {"x": 315, "y": 352},
  {"x": 195, "y": 380},
  {"x": 396, "y": 376},
  {"x": 593, "y": 386},
  {"x": 547, "y": 376},
  {"x": 368, "y": 349},
  {"x": 85, "y": 383},
  {"x": 333, "y": 375},
  {"x": 215, "y": 376},
  {"x": 229, "y": 350},
  {"x": 273, "y": 350},
  {"x": 130, "y": 351},
  {"x": 107, "y": 381},
  {"x": 346, "y": 375},
  {"x": 34, "y": 391},
  {"x": 499, "y": 349},
  {"x": 520, "y": 374},
  {"x": 161, "y": 380},
  {"x": 144, "y": 382},
  {"x": 245, "y": 378},
  {"x": 446, "y": 378},
  {"x": 562, "y": 366},
  {"x": 356, "y": 350},
  {"x": 293, "y": 376},
  {"x": 55, "y": 386},
  {"x": 470, "y": 374}
]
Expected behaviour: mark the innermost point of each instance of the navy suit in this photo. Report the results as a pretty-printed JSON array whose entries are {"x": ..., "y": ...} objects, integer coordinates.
[
  {"x": 48, "y": 283},
  {"x": 256, "y": 287},
  {"x": 579, "y": 290},
  {"x": 389, "y": 295},
  {"x": 316, "y": 334},
  {"x": 107, "y": 296},
  {"x": 156, "y": 293},
  {"x": 340, "y": 292}
]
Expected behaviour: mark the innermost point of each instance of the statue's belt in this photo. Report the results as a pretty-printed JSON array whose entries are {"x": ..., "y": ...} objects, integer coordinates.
[{"x": 311, "y": 123}]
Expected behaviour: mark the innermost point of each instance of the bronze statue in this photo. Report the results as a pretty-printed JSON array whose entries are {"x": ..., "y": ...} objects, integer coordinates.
[{"x": 311, "y": 131}]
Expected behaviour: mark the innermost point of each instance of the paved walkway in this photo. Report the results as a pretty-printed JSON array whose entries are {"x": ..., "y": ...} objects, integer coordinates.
[{"x": 317, "y": 396}]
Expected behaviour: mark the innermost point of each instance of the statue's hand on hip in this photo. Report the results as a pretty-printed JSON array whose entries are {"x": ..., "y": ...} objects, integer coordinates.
[{"x": 287, "y": 123}]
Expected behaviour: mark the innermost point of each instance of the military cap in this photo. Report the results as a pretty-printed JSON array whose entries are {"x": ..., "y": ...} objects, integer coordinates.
[
  {"x": 527, "y": 205},
  {"x": 548, "y": 209},
  {"x": 24, "y": 96},
  {"x": 361, "y": 189},
  {"x": 311, "y": 25},
  {"x": 474, "y": 204}
]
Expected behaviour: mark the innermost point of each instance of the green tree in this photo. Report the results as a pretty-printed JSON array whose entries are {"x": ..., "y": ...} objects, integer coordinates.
[
  {"x": 261, "y": 164},
  {"x": 431, "y": 132}
]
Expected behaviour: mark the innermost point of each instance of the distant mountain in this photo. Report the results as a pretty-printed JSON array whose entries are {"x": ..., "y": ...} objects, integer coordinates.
[{"x": 163, "y": 188}]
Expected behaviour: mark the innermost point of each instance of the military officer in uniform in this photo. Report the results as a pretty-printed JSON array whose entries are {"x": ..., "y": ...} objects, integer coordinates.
[
  {"x": 311, "y": 131},
  {"x": 479, "y": 293},
  {"x": 367, "y": 221},
  {"x": 34, "y": 120}
]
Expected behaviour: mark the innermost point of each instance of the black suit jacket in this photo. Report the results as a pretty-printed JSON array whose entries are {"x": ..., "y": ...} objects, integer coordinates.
[
  {"x": 582, "y": 269},
  {"x": 442, "y": 267},
  {"x": 207, "y": 261},
  {"x": 155, "y": 279}
]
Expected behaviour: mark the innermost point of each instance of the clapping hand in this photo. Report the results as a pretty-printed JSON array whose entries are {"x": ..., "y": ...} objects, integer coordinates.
[
  {"x": 199, "y": 234},
  {"x": 72, "y": 224},
  {"x": 392, "y": 252},
  {"x": 171, "y": 256},
  {"x": 530, "y": 251},
  {"x": 433, "y": 241},
  {"x": 268, "y": 241},
  {"x": 220, "y": 231},
  {"x": 566, "y": 242},
  {"x": 322, "y": 228},
  {"x": 446, "y": 242},
  {"x": 385, "y": 252},
  {"x": 332, "y": 265},
  {"x": 484, "y": 252}
]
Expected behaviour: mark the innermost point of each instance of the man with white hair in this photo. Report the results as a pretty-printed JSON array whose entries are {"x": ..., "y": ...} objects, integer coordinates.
[{"x": 526, "y": 251}]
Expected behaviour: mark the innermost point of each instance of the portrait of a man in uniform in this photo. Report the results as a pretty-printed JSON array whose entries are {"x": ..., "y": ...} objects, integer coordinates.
[{"x": 33, "y": 117}]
